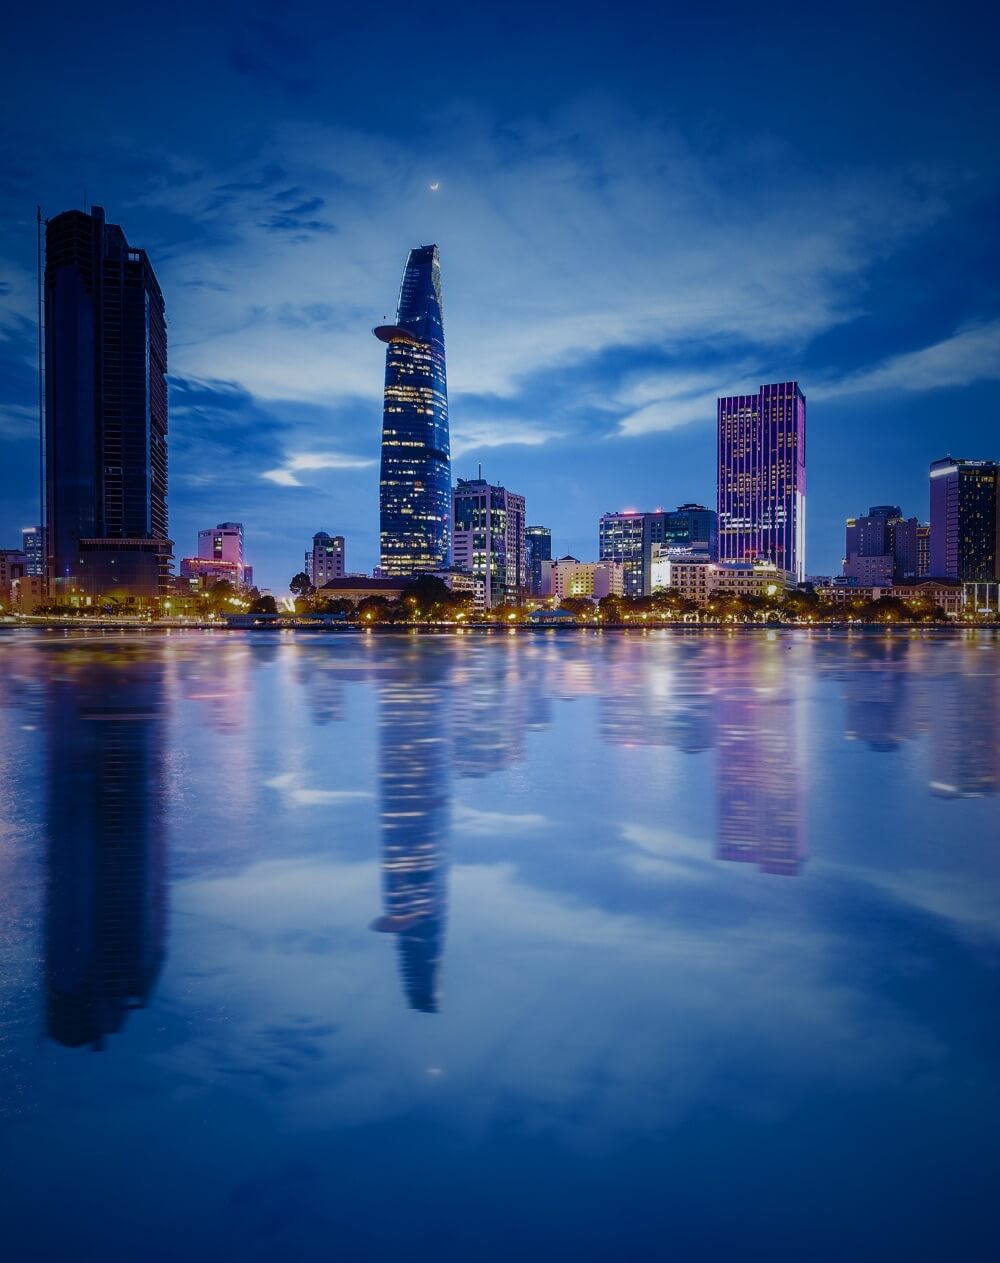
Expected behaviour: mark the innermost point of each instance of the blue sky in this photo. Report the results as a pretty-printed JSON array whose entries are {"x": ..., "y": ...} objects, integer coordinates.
[{"x": 639, "y": 208}]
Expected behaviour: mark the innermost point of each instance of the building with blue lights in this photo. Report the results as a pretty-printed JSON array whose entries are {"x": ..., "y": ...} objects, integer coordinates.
[{"x": 415, "y": 478}]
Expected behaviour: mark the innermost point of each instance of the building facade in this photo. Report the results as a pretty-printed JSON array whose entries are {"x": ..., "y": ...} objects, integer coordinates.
[
  {"x": 326, "y": 560},
  {"x": 620, "y": 541},
  {"x": 882, "y": 546},
  {"x": 488, "y": 538},
  {"x": 33, "y": 547},
  {"x": 538, "y": 548},
  {"x": 762, "y": 477},
  {"x": 415, "y": 476},
  {"x": 594, "y": 579},
  {"x": 106, "y": 414},
  {"x": 701, "y": 581},
  {"x": 634, "y": 538},
  {"x": 965, "y": 523}
]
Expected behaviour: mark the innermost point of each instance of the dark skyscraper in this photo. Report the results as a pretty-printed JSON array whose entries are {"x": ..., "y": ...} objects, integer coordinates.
[
  {"x": 965, "y": 520},
  {"x": 106, "y": 413},
  {"x": 762, "y": 477},
  {"x": 415, "y": 480},
  {"x": 538, "y": 546}
]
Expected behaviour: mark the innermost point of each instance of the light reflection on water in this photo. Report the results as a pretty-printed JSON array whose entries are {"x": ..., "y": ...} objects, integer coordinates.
[{"x": 471, "y": 946}]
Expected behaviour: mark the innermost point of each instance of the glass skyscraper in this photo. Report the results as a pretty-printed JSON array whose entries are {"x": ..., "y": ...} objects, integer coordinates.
[
  {"x": 415, "y": 480},
  {"x": 965, "y": 520},
  {"x": 105, "y": 413},
  {"x": 762, "y": 477},
  {"x": 538, "y": 548}
]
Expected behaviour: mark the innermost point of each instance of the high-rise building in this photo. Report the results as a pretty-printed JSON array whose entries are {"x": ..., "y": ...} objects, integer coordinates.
[
  {"x": 620, "y": 538},
  {"x": 538, "y": 547},
  {"x": 33, "y": 547},
  {"x": 488, "y": 539},
  {"x": 633, "y": 539},
  {"x": 881, "y": 547},
  {"x": 106, "y": 413},
  {"x": 222, "y": 543},
  {"x": 923, "y": 550},
  {"x": 965, "y": 523},
  {"x": 415, "y": 478},
  {"x": 762, "y": 477},
  {"x": 326, "y": 560}
]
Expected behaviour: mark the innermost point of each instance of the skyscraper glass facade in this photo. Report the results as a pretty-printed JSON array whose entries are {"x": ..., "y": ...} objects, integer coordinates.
[
  {"x": 538, "y": 548},
  {"x": 965, "y": 519},
  {"x": 620, "y": 539},
  {"x": 415, "y": 479},
  {"x": 488, "y": 526},
  {"x": 106, "y": 412},
  {"x": 762, "y": 477}
]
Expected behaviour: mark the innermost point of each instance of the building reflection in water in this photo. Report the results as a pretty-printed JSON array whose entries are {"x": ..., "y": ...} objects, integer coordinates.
[
  {"x": 759, "y": 779},
  {"x": 106, "y": 913},
  {"x": 415, "y": 816},
  {"x": 965, "y": 734}
]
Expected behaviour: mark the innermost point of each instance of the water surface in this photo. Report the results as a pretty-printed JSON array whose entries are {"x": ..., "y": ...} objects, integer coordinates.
[{"x": 477, "y": 947}]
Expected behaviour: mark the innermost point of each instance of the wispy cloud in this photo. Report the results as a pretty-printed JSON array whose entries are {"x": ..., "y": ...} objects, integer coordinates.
[
  {"x": 472, "y": 436},
  {"x": 286, "y": 475},
  {"x": 295, "y": 794},
  {"x": 970, "y": 355}
]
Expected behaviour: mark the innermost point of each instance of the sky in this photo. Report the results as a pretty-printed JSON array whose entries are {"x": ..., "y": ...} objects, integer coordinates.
[{"x": 639, "y": 207}]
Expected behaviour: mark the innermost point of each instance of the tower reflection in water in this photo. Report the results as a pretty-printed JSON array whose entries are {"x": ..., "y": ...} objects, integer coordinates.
[
  {"x": 414, "y": 820},
  {"x": 106, "y": 914},
  {"x": 759, "y": 789}
]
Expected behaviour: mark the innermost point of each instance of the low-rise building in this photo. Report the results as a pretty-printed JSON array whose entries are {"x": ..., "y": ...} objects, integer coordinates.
[
  {"x": 700, "y": 581},
  {"x": 358, "y": 588},
  {"x": 205, "y": 572},
  {"x": 569, "y": 577},
  {"x": 949, "y": 596}
]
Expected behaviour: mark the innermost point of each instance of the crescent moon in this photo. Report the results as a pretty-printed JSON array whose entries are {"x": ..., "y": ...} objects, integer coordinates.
[{"x": 435, "y": 186}]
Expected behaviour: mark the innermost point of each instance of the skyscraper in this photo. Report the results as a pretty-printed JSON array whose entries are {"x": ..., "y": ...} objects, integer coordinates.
[
  {"x": 538, "y": 548},
  {"x": 762, "y": 477},
  {"x": 488, "y": 530},
  {"x": 106, "y": 413},
  {"x": 619, "y": 539},
  {"x": 222, "y": 543},
  {"x": 965, "y": 522},
  {"x": 33, "y": 547},
  {"x": 326, "y": 560},
  {"x": 415, "y": 478}
]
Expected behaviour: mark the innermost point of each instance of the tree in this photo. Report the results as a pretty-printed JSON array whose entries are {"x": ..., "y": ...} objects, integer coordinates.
[
  {"x": 300, "y": 585},
  {"x": 264, "y": 605},
  {"x": 373, "y": 609},
  {"x": 581, "y": 606},
  {"x": 337, "y": 605}
]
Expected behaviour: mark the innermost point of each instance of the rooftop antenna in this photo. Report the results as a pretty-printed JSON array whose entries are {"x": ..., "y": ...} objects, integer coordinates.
[{"x": 480, "y": 471}]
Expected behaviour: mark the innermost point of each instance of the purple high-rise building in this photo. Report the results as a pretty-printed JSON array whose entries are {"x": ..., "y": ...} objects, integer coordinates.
[{"x": 762, "y": 477}]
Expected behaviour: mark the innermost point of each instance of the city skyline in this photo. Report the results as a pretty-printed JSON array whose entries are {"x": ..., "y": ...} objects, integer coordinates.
[{"x": 615, "y": 256}]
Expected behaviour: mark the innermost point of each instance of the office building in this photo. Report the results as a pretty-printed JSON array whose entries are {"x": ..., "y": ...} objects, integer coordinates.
[
  {"x": 106, "y": 414},
  {"x": 415, "y": 477},
  {"x": 538, "y": 548},
  {"x": 326, "y": 560},
  {"x": 762, "y": 478},
  {"x": 33, "y": 547},
  {"x": 207, "y": 572},
  {"x": 965, "y": 524},
  {"x": 620, "y": 537},
  {"x": 923, "y": 550},
  {"x": 634, "y": 538},
  {"x": 882, "y": 546},
  {"x": 223, "y": 543},
  {"x": 488, "y": 539}
]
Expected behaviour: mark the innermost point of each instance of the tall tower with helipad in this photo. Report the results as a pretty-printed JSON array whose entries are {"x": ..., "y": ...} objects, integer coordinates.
[{"x": 415, "y": 480}]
